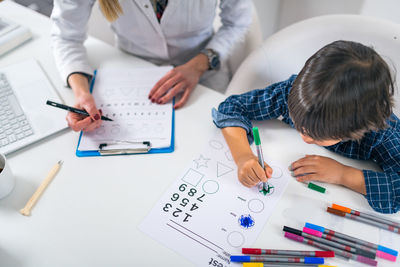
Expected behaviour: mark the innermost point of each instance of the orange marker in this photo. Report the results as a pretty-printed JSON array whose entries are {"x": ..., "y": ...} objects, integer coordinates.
[{"x": 367, "y": 216}]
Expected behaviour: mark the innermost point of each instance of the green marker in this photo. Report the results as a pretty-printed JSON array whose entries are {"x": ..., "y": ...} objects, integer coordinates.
[
  {"x": 316, "y": 187},
  {"x": 257, "y": 141}
]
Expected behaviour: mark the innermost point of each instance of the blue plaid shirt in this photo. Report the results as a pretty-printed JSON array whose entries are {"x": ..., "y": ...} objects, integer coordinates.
[{"x": 382, "y": 147}]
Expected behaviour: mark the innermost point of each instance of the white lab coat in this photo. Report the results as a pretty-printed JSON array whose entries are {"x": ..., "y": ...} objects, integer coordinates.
[{"x": 186, "y": 27}]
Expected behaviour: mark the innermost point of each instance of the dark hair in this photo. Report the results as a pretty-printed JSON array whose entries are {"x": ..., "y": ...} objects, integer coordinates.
[{"x": 344, "y": 90}]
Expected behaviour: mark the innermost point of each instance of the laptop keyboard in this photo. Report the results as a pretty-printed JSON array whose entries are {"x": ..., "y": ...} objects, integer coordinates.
[{"x": 13, "y": 124}]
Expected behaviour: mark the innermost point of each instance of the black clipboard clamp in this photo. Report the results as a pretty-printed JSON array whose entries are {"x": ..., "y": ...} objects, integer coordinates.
[{"x": 108, "y": 149}]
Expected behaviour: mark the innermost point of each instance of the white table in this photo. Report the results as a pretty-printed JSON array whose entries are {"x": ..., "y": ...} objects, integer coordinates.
[{"x": 89, "y": 214}]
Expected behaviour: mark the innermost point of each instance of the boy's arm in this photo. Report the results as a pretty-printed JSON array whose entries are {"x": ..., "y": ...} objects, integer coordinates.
[
  {"x": 235, "y": 114},
  {"x": 383, "y": 190},
  {"x": 262, "y": 104},
  {"x": 250, "y": 171}
]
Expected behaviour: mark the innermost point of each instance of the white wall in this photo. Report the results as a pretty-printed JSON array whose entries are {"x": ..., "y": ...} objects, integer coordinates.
[
  {"x": 277, "y": 14},
  {"x": 268, "y": 15}
]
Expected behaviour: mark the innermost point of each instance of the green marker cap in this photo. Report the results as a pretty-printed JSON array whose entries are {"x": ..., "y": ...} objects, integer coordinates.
[
  {"x": 256, "y": 136},
  {"x": 316, "y": 187}
]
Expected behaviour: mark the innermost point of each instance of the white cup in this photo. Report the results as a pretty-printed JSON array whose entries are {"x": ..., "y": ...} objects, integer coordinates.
[{"x": 7, "y": 181}]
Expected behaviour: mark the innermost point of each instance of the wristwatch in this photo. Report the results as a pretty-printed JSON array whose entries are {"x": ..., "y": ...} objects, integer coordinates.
[{"x": 213, "y": 58}]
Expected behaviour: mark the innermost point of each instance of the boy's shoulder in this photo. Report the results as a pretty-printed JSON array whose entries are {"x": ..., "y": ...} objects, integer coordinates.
[
  {"x": 282, "y": 86},
  {"x": 390, "y": 134}
]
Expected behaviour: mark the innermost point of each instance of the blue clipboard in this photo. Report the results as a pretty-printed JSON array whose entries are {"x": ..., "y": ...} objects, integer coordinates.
[{"x": 94, "y": 153}]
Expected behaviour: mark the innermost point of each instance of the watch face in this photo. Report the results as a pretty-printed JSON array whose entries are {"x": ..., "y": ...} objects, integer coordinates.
[{"x": 214, "y": 63}]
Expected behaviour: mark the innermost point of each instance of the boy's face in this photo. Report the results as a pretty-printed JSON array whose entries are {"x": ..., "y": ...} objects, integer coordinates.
[{"x": 309, "y": 140}]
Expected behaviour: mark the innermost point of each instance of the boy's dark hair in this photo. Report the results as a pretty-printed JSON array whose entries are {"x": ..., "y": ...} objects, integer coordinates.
[{"x": 344, "y": 90}]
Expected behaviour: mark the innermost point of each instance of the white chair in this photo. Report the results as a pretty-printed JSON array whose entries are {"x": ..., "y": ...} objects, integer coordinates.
[
  {"x": 285, "y": 52},
  {"x": 98, "y": 27}
]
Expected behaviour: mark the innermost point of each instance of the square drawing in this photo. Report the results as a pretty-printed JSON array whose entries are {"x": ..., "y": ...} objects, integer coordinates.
[{"x": 192, "y": 177}]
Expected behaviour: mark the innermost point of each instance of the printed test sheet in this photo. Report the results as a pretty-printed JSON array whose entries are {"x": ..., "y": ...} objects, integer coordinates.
[
  {"x": 122, "y": 95},
  {"x": 207, "y": 214}
]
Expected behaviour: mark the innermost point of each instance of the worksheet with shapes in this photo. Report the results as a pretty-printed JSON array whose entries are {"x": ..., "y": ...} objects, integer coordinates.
[
  {"x": 207, "y": 214},
  {"x": 122, "y": 95}
]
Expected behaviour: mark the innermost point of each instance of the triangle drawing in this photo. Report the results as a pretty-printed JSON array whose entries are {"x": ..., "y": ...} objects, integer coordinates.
[{"x": 222, "y": 169}]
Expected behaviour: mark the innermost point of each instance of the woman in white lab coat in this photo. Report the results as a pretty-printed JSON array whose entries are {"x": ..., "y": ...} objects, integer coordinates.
[{"x": 181, "y": 35}]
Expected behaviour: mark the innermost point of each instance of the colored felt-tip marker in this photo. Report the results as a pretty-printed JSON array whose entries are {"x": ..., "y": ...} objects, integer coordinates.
[
  {"x": 352, "y": 239},
  {"x": 260, "y": 264},
  {"x": 331, "y": 244},
  {"x": 362, "y": 248},
  {"x": 316, "y": 187},
  {"x": 259, "y": 251},
  {"x": 72, "y": 109},
  {"x": 365, "y": 215},
  {"x": 363, "y": 220},
  {"x": 305, "y": 260},
  {"x": 338, "y": 252},
  {"x": 260, "y": 155},
  {"x": 346, "y": 245}
]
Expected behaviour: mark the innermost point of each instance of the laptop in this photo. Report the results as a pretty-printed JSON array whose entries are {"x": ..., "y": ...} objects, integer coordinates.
[{"x": 24, "y": 116}]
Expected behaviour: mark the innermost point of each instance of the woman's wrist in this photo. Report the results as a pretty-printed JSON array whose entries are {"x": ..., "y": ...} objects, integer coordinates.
[
  {"x": 199, "y": 63},
  {"x": 79, "y": 84}
]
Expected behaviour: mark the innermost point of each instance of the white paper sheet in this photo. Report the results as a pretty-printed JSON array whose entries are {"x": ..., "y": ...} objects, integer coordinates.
[
  {"x": 122, "y": 95},
  {"x": 207, "y": 215}
]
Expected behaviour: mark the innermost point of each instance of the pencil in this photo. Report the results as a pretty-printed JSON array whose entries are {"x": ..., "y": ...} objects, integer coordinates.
[
  {"x": 72, "y": 109},
  {"x": 35, "y": 197}
]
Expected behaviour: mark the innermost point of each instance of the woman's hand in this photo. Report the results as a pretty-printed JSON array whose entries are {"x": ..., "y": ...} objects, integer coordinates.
[
  {"x": 83, "y": 100},
  {"x": 180, "y": 80}
]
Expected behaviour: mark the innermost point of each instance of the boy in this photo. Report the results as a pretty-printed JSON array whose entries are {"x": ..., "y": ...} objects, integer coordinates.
[{"x": 342, "y": 100}]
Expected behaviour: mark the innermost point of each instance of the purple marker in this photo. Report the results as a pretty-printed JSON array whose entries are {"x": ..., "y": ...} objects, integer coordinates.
[
  {"x": 338, "y": 252},
  {"x": 305, "y": 260}
]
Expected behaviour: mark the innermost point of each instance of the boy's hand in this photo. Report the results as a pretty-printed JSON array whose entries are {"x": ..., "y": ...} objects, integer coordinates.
[
  {"x": 250, "y": 172},
  {"x": 318, "y": 168}
]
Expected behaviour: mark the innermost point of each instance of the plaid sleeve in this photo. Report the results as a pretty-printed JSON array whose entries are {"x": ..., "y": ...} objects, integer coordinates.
[
  {"x": 383, "y": 191},
  {"x": 383, "y": 188},
  {"x": 261, "y": 104}
]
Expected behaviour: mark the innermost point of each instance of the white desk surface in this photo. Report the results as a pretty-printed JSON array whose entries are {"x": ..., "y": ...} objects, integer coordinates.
[{"x": 90, "y": 213}]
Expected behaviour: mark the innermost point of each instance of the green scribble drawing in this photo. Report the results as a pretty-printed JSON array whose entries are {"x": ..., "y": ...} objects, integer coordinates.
[{"x": 266, "y": 191}]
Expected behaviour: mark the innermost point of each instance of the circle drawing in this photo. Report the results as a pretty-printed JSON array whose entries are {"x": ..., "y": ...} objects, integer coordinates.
[
  {"x": 210, "y": 187},
  {"x": 269, "y": 190},
  {"x": 235, "y": 239},
  {"x": 228, "y": 155},
  {"x": 277, "y": 172},
  {"x": 100, "y": 131},
  {"x": 255, "y": 205},
  {"x": 115, "y": 130},
  {"x": 216, "y": 144},
  {"x": 246, "y": 221}
]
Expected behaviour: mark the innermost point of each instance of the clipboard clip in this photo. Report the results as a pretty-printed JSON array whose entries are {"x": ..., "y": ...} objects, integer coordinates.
[{"x": 114, "y": 148}]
